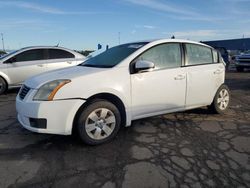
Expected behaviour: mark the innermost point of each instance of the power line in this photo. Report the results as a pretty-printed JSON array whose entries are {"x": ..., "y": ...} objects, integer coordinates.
[{"x": 119, "y": 37}]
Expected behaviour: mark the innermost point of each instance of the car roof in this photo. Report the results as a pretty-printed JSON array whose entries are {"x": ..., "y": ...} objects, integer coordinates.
[
  {"x": 78, "y": 55},
  {"x": 171, "y": 40},
  {"x": 35, "y": 47}
]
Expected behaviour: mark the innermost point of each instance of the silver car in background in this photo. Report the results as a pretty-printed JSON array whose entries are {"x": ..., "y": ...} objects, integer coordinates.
[{"x": 17, "y": 66}]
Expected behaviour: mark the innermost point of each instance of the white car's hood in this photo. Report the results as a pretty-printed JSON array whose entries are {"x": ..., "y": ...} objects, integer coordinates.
[{"x": 67, "y": 73}]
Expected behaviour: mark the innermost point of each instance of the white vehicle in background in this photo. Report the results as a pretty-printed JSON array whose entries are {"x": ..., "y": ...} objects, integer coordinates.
[
  {"x": 17, "y": 66},
  {"x": 125, "y": 83}
]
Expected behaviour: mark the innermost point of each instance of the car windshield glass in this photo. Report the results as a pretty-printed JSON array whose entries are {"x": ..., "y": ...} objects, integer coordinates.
[
  {"x": 113, "y": 56},
  {"x": 7, "y": 55}
]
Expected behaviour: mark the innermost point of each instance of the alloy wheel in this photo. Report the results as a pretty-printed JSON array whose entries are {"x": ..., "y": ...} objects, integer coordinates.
[
  {"x": 223, "y": 99},
  {"x": 100, "y": 123}
]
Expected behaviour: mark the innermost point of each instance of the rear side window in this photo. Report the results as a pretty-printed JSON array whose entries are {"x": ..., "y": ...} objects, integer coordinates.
[
  {"x": 198, "y": 55},
  {"x": 29, "y": 55},
  {"x": 163, "y": 56},
  {"x": 59, "y": 54}
]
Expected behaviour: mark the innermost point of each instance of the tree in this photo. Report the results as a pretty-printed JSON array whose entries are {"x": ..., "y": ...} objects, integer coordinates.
[
  {"x": 2, "y": 53},
  {"x": 85, "y": 52}
]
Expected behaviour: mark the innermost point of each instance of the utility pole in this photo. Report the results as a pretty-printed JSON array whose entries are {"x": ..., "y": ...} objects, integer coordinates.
[
  {"x": 2, "y": 42},
  {"x": 119, "y": 37}
]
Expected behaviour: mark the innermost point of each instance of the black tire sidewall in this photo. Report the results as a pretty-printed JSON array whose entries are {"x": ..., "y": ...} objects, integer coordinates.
[
  {"x": 4, "y": 87},
  {"x": 85, "y": 113},
  {"x": 215, "y": 104}
]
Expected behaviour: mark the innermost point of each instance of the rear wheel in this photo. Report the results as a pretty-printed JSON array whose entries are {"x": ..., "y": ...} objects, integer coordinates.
[
  {"x": 221, "y": 100},
  {"x": 240, "y": 69},
  {"x": 3, "y": 86},
  {"x": 99, "y": 122}
]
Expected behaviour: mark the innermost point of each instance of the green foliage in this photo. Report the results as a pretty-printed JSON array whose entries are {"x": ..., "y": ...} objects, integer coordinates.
[
  {"x": 85, "y": 52},
  {"x": 2, "y": 52}
]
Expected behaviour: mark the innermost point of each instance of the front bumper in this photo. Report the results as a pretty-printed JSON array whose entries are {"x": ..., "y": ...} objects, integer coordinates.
[
  {"x": 244, "y": 64},
  {"x": 59, "y": 114}
]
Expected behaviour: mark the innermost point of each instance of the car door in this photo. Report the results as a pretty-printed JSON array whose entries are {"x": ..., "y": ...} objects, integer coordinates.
[
  {"x": 26, "y": 64},
  {"x": 205, "y": 74},
  {"x": 162, "y": 89},
  {"x": 58, "y": 58}
]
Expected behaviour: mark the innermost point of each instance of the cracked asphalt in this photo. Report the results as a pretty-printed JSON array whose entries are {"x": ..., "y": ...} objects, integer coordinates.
[{"x": 188, "y": 149}]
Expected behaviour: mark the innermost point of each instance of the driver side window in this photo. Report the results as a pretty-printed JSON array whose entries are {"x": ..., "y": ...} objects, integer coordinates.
[{"x": 163, "y": 56}]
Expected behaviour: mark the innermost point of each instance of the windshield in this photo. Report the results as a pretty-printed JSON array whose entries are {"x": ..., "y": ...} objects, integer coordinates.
[
  {"x": 6, "y": 55},
  {"x": 113, "y": 56}
]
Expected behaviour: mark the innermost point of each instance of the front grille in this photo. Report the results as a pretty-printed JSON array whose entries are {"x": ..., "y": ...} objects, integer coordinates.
[
  {"x": 24, "y": 91},
  {"x": 245, "y": 59}
]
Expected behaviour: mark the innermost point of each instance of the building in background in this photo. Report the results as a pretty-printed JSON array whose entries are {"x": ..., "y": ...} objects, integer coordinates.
[
  {"x": 229, "y": 49},
  {"x": 242, "y": 44}
]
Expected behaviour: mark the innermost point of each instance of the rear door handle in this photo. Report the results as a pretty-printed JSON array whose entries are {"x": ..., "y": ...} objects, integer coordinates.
[
  {"x": 179, "y": 77},
  {"x": 69, "y": 62},
  {"x": 41, "y": 65}
]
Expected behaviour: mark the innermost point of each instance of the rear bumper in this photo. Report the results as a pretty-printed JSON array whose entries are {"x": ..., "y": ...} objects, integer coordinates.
[{"x": 52, "y": 117}]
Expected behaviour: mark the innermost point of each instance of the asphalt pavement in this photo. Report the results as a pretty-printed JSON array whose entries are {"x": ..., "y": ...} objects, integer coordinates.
[{"x": 187, "y": 149}]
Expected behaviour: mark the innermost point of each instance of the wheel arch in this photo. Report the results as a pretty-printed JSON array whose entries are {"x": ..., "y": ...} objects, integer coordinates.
[
  {"x": 217, "y": 91},
  {"x": 214, "y": 105},
  {"x": 6, "y": 80},
  {"x": 103, "y": 96},
  {"x": 5, "y": 77}
]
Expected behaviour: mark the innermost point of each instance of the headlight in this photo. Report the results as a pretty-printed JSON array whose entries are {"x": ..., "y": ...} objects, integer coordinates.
[{"x": 47, "y": 91}]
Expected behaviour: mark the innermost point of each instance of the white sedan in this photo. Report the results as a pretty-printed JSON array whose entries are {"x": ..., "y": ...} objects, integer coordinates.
[
  {"x": 19, "y": 65},
  {"x": 125, "y": 83}
]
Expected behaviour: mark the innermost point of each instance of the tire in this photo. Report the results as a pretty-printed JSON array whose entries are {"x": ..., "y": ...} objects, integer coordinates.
[
  {"x": 98, "y": 122},
  {"x": 221, "y": 100},
  {"x": 3, "y": 85},
  {"x": 240, "y": 69}
]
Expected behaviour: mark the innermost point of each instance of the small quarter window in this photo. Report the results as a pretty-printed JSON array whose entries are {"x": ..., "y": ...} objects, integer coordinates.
[{"x": 198, "y": 55}]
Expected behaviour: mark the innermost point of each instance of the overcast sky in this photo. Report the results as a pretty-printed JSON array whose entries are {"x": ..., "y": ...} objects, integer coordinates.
[{"x": 82, "y": 24}]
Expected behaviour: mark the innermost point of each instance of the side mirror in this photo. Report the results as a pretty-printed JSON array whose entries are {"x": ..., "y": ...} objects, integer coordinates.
[{"x": 142, "y": 65}]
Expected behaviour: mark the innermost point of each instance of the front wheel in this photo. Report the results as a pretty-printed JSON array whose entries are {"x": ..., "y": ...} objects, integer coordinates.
[
  {"x": 221, "y": 100},
  {"x": 3, "y": 86},
  {"x": 98, "y": 122}
]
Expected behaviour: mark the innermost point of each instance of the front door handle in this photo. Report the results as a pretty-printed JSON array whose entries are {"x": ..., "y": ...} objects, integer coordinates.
[
  {"x": 179, "y": 77},
  {"x": 40, "y": 65},
  {"x": 69, "y": 62}
]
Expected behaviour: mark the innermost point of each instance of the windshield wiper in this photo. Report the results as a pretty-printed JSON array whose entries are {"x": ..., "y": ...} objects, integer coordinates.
[{"x": 97, "y": 66}]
